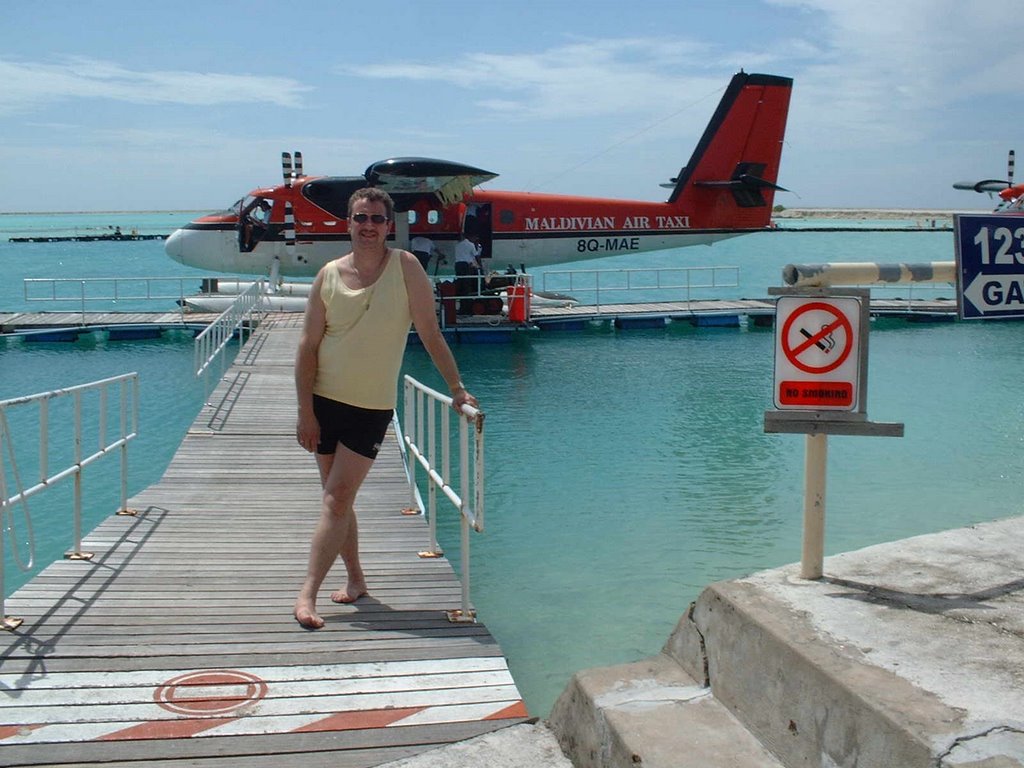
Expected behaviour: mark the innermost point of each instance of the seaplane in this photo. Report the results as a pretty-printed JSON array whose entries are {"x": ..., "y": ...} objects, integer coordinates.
[
  {"x": 292, "y": 229},
  {"x": 1011, "y": 196}
]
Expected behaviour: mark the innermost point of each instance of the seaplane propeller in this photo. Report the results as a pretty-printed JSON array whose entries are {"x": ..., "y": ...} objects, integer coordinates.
[
  {"x": 290, "y": 171},
  {"x": 991, "y": 185}
]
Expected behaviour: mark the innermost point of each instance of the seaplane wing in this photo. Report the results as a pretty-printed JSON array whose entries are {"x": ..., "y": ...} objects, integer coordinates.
[
  {"x": 726, "y": 189},
  {"x": 403, "y": 176}
]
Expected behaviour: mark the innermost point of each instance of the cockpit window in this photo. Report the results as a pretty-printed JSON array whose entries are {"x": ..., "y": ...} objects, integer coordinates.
[{"x": 253, "y": 221}]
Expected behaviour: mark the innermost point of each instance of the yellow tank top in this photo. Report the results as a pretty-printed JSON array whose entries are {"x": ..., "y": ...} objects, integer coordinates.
[{"x": 360, "y": 355}]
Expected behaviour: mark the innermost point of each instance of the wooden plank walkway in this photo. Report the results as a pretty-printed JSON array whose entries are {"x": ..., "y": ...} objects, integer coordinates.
[{"x": 176, "y": 645}]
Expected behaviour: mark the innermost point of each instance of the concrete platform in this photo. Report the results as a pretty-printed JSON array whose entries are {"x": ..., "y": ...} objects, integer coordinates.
[
  {"x": 528, "y": 745},
  {"x": 905, "y": 654}
]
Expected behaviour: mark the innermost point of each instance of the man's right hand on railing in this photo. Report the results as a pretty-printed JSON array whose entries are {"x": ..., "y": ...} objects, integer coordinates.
[{"x": 461, "y": 397}]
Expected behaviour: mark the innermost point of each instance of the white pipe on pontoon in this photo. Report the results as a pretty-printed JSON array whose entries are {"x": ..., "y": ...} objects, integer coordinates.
[
  {"x": 867, "y": 273},
  {"x": 232, "y": 287}
]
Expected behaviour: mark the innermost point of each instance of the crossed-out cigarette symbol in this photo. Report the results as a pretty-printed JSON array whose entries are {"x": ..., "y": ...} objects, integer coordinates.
[
  {"x": 810, "y": 316},
  {"x": 825, "y": 343}
]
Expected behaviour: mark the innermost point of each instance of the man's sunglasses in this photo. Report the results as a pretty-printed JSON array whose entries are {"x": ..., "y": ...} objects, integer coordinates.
[{"x": 362, "y": 218}]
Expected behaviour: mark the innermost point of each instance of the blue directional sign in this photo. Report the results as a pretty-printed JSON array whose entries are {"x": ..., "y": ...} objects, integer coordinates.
[{"x": 990, "y": 265}]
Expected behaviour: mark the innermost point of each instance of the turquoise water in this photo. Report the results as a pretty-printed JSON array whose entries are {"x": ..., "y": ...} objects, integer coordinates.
[{"x": 628, "y": 469}]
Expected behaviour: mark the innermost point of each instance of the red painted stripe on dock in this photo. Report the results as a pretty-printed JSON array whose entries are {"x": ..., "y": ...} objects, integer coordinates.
[
  {"x": 515, "y": 710},
  {"x": 166, "y": 729},
  {"x": 350, "y": 721}
]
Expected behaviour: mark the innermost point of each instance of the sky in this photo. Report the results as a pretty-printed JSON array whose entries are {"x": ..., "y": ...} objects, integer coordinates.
[{"x": 115, "y": 105}]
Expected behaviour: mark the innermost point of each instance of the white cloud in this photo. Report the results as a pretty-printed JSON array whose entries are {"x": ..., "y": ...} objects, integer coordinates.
[
  {"x": 25, "y": 86},
  {"x": 588, "y": 78},
  {"x": 892, "y": 68}
]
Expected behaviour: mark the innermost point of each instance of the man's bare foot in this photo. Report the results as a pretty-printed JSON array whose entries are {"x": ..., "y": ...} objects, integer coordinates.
[
  {"x": 306, "y": 615},
  {"x": 352, "y": 592}
]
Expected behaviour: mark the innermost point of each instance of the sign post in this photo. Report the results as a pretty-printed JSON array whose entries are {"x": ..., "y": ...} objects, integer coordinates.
[{"x": 820, "y": 388}]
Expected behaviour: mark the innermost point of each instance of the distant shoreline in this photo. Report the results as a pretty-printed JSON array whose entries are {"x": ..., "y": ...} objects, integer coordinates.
[
  {"x": 869, "y": 213},
  {"x": 100, "y": 213}
]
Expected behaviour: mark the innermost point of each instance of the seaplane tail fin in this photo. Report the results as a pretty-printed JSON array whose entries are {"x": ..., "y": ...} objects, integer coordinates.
[{"x": 730, "y": 181}]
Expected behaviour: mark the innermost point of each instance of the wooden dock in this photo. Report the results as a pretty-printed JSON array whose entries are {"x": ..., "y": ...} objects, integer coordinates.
[
  {"x": 175, "y": 645},
  {"x": 718, "y": 312},
  {"x": 18, "y": 323},
  {"x": 487, "y": 328}
]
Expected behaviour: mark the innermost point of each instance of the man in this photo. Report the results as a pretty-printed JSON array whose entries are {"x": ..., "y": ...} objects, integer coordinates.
[
  {"x": 467, "y": 269},
  {"x": 425, "y": 250},
  {"x": 346, "y": 379}
]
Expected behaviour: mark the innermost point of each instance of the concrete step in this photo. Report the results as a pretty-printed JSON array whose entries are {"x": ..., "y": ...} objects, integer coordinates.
[
  {"x": 905, "y": 654},
  {"x": 651, "y": 714}
]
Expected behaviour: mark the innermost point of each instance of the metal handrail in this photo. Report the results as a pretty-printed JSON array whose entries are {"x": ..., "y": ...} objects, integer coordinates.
[
  {"x": 638, "y": 279},
  {"x": 936, "y": 292},
  {"x": 128, "y": 384},
  {"x": 213, "y": 339},
  {"x": 424, "y": 441},
  {"x": 117, "y": 289}
]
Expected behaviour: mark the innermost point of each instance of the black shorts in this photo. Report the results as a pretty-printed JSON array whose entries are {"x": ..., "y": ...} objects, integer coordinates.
[{"x": 361, "y": 430}]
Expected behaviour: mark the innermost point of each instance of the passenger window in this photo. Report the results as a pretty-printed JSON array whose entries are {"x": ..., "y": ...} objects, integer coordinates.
[
  {"x": 506, "y": 216},
  {"x": 412, "y": 217},
  {"x": 433, "y": 217}
]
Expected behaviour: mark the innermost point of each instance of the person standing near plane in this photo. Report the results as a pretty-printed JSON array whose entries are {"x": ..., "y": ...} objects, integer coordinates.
[
  {"x": 467, "y": 254},
  {"x": 467, "y": 268},
  {"x": 425, "y": 250},
  {"x": 357, "y": 320}
]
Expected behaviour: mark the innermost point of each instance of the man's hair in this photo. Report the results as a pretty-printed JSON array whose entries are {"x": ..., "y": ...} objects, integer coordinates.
[{"x": 373, "y": 195}]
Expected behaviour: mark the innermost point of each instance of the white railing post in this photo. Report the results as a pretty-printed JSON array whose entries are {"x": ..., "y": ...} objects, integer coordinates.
[
  {"x": 478, "y": 478},
  {"x": 431, "y": 420},
  {"x": 408, "y": 399},
  {"x": 76, "y": 553},
  {"x": 7, "y": 622},
  {"x": 123, "y": 433},
  {"x": 464, "y": 511},
  {"x": 44, "y": 431}
]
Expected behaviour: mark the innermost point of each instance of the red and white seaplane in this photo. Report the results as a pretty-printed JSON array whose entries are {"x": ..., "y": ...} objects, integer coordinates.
[{"x": 725, "y": 190}]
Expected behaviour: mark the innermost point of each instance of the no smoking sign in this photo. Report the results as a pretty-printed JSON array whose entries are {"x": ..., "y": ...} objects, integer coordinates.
[{"x": 817, "y": 353}]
